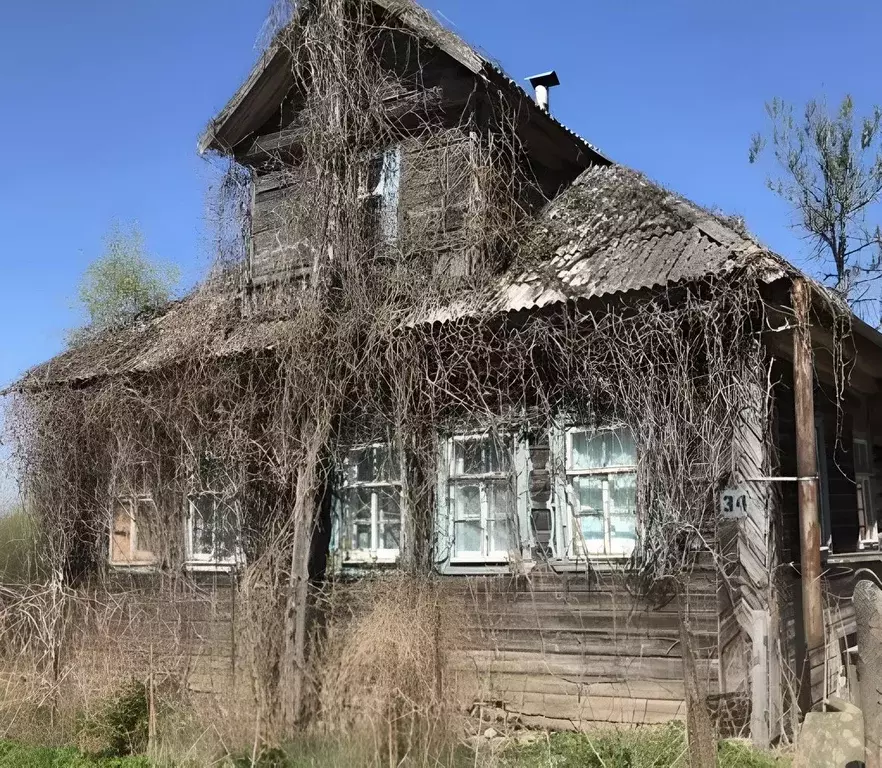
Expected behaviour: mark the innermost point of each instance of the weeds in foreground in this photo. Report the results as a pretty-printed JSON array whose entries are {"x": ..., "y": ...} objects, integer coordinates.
[
  {"x": 663, "y": 747},
  {"x": 20, "y": 756}
]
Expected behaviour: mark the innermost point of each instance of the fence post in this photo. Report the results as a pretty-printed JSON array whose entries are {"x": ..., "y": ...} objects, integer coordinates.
[{"x": 868, "y": 613}]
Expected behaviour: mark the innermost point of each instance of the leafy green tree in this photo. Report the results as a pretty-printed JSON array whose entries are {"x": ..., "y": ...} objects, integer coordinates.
[
  {"x": 829, "y": 169},
  {"x": 122, "y": 284}
]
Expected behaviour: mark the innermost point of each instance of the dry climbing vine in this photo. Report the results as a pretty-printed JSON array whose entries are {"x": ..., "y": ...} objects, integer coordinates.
[{"x": 275, "y": 380}]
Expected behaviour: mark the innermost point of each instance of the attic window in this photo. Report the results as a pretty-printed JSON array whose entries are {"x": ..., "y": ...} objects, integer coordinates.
[{"x": 380, "y": 195}]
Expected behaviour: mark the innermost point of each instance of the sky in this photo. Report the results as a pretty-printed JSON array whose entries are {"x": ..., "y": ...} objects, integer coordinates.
[{"x": 103, "y": 101}]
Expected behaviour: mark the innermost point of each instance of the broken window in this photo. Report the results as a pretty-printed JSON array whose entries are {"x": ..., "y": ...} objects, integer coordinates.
[
  {"x": 369, "y": 504},
  {"x": 214, "y": 529},
  {"x": 481, "y": 498},
  {"x": 601, "y": 491}
]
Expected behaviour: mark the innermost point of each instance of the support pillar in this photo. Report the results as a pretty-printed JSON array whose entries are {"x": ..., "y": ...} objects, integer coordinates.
[{"x": 807, "y": 472}]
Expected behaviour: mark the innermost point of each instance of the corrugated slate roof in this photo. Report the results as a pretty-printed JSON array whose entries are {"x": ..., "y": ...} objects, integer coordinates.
[{"x": 613, "y": 231}]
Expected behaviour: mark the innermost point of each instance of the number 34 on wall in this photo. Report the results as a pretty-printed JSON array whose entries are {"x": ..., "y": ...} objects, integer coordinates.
[{"x": 733, "y": 504}]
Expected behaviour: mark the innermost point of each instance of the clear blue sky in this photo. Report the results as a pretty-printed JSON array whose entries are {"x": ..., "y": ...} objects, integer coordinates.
[{"x": 103, "y": 102}]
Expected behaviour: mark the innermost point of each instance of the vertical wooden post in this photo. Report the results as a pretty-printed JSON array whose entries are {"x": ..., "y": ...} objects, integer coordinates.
[{"x": 807, "y": 472}]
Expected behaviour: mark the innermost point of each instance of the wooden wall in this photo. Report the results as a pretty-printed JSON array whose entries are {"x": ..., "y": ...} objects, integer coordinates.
[
  {"x": 136, "y": 626},
  {"x": 578, "y": 650}
]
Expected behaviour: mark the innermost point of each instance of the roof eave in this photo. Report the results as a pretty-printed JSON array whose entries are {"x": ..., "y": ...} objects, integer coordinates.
[{"x": 242, "y": 112}]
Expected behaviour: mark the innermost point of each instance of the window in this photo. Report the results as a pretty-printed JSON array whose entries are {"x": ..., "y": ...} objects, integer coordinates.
[
  {"x": 863, "y": 476},
  {"x": 601, "y": 491},
  {"x": 214, "y": 529},
  {"x": 369, "y": 504},
  {"x": 481, "y": 497},
  {"x": 130, "y": 540},
  {"x": 381, "y": 185},
  {"x": 133, "y": 514}
]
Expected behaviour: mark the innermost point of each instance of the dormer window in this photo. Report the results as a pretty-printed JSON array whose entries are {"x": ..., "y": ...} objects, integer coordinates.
[{"x": 380, "y": 194}]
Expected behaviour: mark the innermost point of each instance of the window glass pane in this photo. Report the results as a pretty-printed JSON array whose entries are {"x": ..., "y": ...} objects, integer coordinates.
[
  {"x": 226, "y": 530},
  {"x": 361, "y": 466},
  {"x": 603, "y": 448},
  {"x": 121, "y": 536},
  {"x": 500, "y": 502},
  {"x": 390, "y": 519},
  {"x": 589, "y": 493},
  {"x": 357, "y": 518},
  {"x": 861, "y": 456},
  {"x": 479, "y": 456},
  {"x": 587, "y": 450},
  {"x": 591, "y": 528},
  {"x": 623, "y": 513},
  {"x": 501, "y": 537},
  {"x": 466, "y": 502},
  {"x": 203, "y": 525},
  {"x": 372, "y": 464},
  {"x": 467, "y": 538},
  {"x": 145, "y": 516}
]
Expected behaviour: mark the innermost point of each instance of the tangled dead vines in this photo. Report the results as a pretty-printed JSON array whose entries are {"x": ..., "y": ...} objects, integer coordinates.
[{"x": 273, "y": 380}]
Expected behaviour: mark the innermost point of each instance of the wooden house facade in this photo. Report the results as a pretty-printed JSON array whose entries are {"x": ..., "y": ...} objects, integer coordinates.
[{"x": 536, "y": 532}]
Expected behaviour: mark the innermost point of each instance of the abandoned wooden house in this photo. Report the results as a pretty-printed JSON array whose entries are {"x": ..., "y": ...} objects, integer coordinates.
[{"x": 606, "y": 412}]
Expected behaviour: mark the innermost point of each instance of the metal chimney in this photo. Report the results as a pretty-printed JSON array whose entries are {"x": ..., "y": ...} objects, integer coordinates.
[{"x": 542, "y": 84}]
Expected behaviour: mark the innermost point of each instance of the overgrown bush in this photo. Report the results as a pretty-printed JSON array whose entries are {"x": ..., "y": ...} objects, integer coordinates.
[
  {"x": 18, "y": 548},
  {"x": 122, "y": 727}
]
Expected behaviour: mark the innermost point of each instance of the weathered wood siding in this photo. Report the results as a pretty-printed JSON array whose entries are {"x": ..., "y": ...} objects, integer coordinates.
[
  {"x": 575, "y": 650},
  {"x": 135, "y": 626}
]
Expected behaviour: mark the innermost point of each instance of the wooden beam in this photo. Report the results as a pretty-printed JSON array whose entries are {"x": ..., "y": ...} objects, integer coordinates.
[{"x": 807, "y": 471}]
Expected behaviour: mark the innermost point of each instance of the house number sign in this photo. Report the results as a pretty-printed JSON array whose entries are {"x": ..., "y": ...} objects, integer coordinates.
[{"x": 733, "y": 504}]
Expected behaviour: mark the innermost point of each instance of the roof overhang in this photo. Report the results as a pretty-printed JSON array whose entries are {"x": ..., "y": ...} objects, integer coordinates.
[{"x": 271, "y": 79}]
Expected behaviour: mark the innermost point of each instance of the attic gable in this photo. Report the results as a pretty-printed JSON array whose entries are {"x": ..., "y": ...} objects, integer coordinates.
[{"x": 272, "y": 79}]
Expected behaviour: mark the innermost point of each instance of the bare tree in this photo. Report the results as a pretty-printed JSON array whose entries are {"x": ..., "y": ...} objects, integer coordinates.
[{"x": 830, "y": 172}]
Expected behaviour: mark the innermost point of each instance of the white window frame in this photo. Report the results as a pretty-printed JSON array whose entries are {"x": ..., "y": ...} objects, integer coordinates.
[
  {"x": 516, "y": 476},
  {"x": 209, "y": 561},
  {"x": 569, "y": 545},
  {"x": 865, "y": 482},
  {"x": 202, "y": 560},
  {"x": 387, "y": 192},
  {"x": 375, "y": 553},
  {"x": 130, "y": 502}
]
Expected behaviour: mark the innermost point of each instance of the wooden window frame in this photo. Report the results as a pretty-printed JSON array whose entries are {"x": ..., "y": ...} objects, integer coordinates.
[
  {"x": 374, "y": 554},
  {"x": 130, "y": 503},
  {"x": 567, "y": 519},
  {"x": 865, "y": 488},
  {"x": 519, "y": 529},
  {"x": 209, "y": 561}
]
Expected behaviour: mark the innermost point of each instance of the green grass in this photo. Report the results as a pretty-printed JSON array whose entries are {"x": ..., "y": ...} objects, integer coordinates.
[
  {"x": 20, "y": 756},
  {"x": 663, "y": 747}
]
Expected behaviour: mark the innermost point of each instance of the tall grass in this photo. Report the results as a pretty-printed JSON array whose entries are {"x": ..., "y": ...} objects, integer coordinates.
[{"x": 19, "y": 563}]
